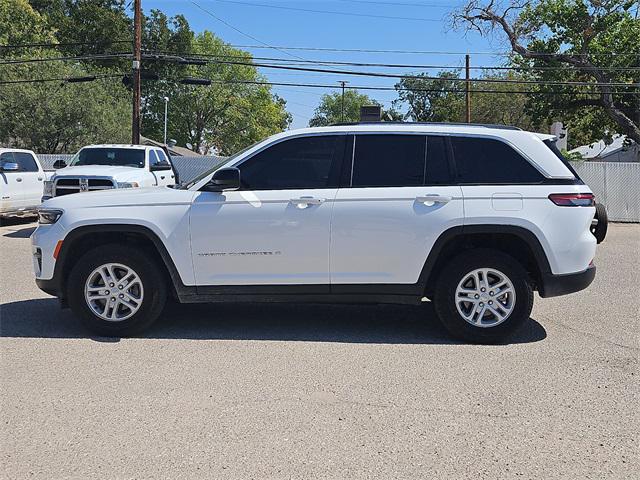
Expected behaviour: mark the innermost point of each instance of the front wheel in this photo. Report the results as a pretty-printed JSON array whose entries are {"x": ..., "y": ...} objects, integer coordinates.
[
  {"x": 483, "y": 296},
  {"x": 116, "y": 290}
]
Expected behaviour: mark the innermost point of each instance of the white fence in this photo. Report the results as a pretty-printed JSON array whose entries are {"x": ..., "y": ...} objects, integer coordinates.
[{"x": 616, "y": 184}]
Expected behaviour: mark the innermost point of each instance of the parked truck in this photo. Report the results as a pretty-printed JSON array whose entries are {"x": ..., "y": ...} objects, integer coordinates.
[
  {"x": 105, "y": 167},
  {"x": 21, "y": 182}
]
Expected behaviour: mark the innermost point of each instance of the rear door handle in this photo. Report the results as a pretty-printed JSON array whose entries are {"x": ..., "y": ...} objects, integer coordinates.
[
  {"x": 433, "y": 198},
  {"x": 304, "y": 202},
  {"x": 18, "y": 179}
]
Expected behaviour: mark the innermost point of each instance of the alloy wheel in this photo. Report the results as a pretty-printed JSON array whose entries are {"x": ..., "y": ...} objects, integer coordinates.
[
  {"x": 485, "y": 297},
  {"x": 114, "y": 292}
]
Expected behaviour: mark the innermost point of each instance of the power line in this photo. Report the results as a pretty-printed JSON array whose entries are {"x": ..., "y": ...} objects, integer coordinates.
[
  {"x": 422, "y": 77},
  {"x": 399, "y": 65},
  {"x": 421, "y": 52},
  {"x": 61, "y": 79},
  {"x": 98, "y": 56},
  {"x": 328, "y": 86},
  {"x": 329, "y": 12},
  {"x": 63, "y": 44},
  {"x": 402, "y": 4},
  {"x": 211, "y": 14},
  {"x": 105, "y": 56}
]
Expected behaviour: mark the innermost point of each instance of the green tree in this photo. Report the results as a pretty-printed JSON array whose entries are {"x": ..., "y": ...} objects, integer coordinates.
[
  {"x": 224, "y": 117},
  {"x": 577, "y": 41},
  {"x": 53, "y": 117},
  {"x": 431, "y": 100},
  {"x": 330, "y": 109},
  {"x": 20, "y": 24}
]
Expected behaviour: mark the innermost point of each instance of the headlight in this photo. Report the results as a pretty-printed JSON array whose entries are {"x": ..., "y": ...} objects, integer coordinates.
[
  {"x": 48, "y": 188},
  {"x": 47, "y": 216},
  {"x": 128, "y": 184}
]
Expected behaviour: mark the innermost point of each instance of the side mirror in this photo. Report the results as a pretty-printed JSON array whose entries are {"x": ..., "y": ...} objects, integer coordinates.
[
  {"x": 224, "y": 179},
  {"x": 59, "y": 164},
  {"x": 159, "y": 166},
  {"x": 9, "y": 167}
]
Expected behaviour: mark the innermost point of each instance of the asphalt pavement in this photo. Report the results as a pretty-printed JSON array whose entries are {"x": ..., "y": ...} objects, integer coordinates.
[{"x": 336, "y": 392}]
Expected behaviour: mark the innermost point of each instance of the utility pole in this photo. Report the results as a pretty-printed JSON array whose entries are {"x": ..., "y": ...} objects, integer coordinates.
[
  {"x": 467, "y": 61},
  {"x": 137, "y": 47},
  {"x": 343, "y": 83},
  {"x": 166, "y": 108}
]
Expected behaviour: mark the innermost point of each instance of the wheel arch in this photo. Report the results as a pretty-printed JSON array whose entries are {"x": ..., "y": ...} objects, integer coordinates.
[
  {"x": 518, "y": 242},
  {"x": 87, "y": 237}
]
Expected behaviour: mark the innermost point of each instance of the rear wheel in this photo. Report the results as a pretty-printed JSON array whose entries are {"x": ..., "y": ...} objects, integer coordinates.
[
  {"x": 600, "y": 223},
  {"x": 116, "y": 290},
  {"x": 483, "y": 296}
]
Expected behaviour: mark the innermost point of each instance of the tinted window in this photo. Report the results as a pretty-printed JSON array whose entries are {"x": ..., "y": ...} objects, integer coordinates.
[
  {"x": 6, "y": 157},
  {"x": 388, "y": 161},
  {"x": 153, "y": 158},
  {"x": 162, "y": 156},
  {"x": 306, "y": 162},
  {"x": 483, "y": 160},
  {"x": 437, "y": 171},
  {"x": 126, "y": 157},
  {"x": 25, "y": 161}
]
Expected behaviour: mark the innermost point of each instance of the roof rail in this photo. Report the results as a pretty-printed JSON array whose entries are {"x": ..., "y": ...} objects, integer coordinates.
[{"x": 461, "y": 124}]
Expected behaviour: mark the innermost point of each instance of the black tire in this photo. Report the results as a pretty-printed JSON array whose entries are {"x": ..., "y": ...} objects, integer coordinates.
[
  {"x": 153, "y": 282},
  {"x": 454, "y": 272},
  {"x": 600, "y": 223}
]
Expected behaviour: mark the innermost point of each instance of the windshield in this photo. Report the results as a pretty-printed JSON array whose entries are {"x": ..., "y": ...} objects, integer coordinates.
[
  {"x": 218, "y": 165},
  {"x": 121, "y": 157}
]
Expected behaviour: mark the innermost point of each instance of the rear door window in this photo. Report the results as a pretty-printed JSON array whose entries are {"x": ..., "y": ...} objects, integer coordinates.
[
  {"x": 490, "y": 161},
  {"x": 388, "y": 161}
]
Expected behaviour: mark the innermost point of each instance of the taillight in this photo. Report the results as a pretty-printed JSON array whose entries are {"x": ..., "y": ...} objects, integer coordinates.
[{"x": 573, "y": 199}]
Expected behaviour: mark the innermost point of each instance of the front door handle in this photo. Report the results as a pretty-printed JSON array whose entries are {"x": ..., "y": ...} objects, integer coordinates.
[
  {"x": 18, "y": 179},
  {"x": 433, "y": 198},
  {"x": 304, "y": 202}
]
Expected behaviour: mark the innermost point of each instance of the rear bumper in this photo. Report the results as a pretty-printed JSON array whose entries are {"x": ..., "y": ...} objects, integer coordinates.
[
  {"x": 52, "y": 287},
  {"x": 556, "y": 285}
]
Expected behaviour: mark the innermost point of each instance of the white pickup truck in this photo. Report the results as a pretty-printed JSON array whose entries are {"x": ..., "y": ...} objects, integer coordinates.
[
  {"x": 103, "y": 167},
  {"x": 21, "y": 181}
]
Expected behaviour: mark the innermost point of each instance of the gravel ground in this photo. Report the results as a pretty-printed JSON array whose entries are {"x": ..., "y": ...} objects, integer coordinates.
[{"x": 255, "y": 391}]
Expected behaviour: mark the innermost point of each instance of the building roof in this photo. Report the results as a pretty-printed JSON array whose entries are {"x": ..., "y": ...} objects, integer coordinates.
[
  {"x": 600, "y": 149},
  {"x": 173, "y": 150}
]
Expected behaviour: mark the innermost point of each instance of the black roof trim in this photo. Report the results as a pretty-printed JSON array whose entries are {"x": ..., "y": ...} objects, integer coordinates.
[{"x": 486, "y": 125}]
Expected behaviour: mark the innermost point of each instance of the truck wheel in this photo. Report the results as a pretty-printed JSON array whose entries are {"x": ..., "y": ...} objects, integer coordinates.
[
  {"x": 600, "y": 223},
  {"x": 116, "y": 290},
  {"x": 483, "y": 296}
]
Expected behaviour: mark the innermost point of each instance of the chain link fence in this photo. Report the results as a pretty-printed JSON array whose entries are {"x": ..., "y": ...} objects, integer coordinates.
[{"x": 615, "y": 184}]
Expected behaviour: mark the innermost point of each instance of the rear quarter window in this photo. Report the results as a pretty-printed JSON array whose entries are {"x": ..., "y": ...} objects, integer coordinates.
[{"x": 489, "y": 161}]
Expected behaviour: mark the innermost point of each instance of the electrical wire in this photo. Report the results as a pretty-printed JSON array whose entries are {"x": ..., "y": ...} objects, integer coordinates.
[
  {"x": 213, "y": 15},
  {"x": 330, "y": 12}
]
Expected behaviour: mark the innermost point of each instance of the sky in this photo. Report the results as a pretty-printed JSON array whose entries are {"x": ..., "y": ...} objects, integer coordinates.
[{"x": 424, "y": 25}]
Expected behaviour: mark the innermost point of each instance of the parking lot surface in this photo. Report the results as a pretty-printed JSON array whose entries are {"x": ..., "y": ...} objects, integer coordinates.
[{"x": 299, "y": 391}]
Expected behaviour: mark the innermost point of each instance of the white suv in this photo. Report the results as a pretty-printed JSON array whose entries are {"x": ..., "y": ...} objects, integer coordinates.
[{"x": 472, "y": 217}]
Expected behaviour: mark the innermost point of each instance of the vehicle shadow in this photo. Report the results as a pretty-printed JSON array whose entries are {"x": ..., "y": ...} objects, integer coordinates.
[{"x": 384, "y": 324}]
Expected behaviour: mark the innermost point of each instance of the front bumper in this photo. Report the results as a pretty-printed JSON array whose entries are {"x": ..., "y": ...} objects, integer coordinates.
[{"x": 556, "y": 285}]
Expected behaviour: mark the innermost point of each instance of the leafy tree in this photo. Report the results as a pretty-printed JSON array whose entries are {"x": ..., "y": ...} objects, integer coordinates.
[
  {"x": 569, "y": 40},
  {"x": 224, "y": 117},
  {"x": 20, "y": 24},
  {"x": 330, "y": 109},
  {"x": 55, "y": 117},
  {"x": 431, "y": 100},
  {"x": 96, "y": 24}
]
